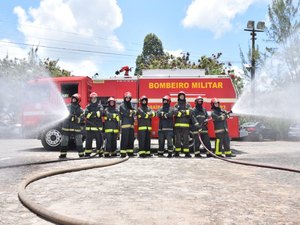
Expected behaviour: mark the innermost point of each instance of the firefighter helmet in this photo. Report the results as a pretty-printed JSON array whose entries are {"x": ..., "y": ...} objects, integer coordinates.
[
  {"x": 199, "y": 98},
  {"x": 167, "y": 97},
  {"x": 93, "y": 95},
  {"x": 213, "y": 101},
  {"x": 111, "y": 99},
  {"x": 127, "y": 94},
  {"x": 143, "y": 98},
  {"x": 77, "y": 97},
  {"x": 181, "y": 93}
]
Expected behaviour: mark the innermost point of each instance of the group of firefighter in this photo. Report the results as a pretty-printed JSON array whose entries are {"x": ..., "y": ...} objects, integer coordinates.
[{"x": 183, "y": 128}]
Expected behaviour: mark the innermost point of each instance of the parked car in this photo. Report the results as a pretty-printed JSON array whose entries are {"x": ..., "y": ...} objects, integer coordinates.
[
  {"x": 294, "y": 132},
  {"x": 258, "y": 131}
]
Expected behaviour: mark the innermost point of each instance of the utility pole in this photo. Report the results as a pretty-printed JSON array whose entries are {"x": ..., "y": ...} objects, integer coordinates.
[{"x": 251, "y": 28}]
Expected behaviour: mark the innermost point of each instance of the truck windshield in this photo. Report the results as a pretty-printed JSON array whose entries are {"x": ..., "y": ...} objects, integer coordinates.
[{"x": 67, "y": 90}]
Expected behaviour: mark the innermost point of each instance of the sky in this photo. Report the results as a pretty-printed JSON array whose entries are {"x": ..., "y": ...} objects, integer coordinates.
[{"x": 101, "y": 36}]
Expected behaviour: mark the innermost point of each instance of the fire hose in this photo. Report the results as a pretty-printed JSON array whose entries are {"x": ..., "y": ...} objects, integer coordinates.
[
  {"x": 247, "y": 163},
  {"x": 47, "y": 214}
]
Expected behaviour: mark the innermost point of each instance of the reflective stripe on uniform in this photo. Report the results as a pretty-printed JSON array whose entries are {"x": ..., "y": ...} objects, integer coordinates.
[
  {"x": 228, "y": 152},
  {"x": 111, "y": 130},
  {"x": 71, "y": 130},
  {"x": 127, "y": 126},
  {"x": 217, "y": 148},
  {"x": 145, "y": 128},
  {"x": 129, "y": 150},
  {"x": 182, "y": 125},
  {"x": 93, "y": 128},
  {"x": 177, "y": 149},
  {"x": 219, "y": 130},
  {"x": 186, "y": 150}
]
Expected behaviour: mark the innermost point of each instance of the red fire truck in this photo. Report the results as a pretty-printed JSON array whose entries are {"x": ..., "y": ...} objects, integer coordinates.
[{"x": 154, "y": 84}]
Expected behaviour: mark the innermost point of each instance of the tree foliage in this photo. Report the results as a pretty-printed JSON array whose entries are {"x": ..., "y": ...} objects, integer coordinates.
[
  {"x": 283, "y": 15},
  {"x": 30, "y": 67},
  {"x": 154, "y": 57}
]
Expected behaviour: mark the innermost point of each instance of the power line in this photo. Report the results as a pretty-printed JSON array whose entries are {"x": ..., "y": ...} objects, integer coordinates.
[{"x": 69, "y": 49}]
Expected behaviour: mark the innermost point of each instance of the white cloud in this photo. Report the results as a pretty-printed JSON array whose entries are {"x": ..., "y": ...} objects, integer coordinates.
[
  {"x": 215, "y": 15},
  {"x": 60, "y": 26}
]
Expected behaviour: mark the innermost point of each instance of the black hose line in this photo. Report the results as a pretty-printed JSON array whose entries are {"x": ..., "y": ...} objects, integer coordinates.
[
  {"x": 246, "y": 163},
  {"x": 47, "y": 214}
]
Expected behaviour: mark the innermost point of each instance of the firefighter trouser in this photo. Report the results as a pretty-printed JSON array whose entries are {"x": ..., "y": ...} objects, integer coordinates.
[
  {"x": 222, "y": 140},
  {"x": 66, "y": 136},
  {"x": 144, "y": 142},
  {"x": 127, "y": 141},
  {"x": 206, "y": 141},
  {"x": 111, "y": 143},
  {"x": 162, "y": 136},
  {"x": 181, "y": 133},
  {"x": 90, "y": 136}
]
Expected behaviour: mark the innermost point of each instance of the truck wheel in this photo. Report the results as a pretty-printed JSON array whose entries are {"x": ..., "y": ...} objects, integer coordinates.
[{"x": 51, "y": 139}]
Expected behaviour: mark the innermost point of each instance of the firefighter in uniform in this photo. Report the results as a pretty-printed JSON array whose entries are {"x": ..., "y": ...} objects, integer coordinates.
[
  {"x": 165, "y": 129},
  {"x": 71, "y": 127},
  {"x": 144, "y": 115},
  {"x": 93, "y": 114},
  {"x": 199, "y": 127},
  {"x": 111, "y": 127},
  {"x": 127, "y": 113},
  {"x": 182, "y": 113},
  {"x": 220, "y": 117}
]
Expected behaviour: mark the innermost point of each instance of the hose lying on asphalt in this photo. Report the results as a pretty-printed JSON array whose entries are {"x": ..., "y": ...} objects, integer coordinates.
[
  {"x": 246, "y": 163},
  {"x": 47, "y": 214}
]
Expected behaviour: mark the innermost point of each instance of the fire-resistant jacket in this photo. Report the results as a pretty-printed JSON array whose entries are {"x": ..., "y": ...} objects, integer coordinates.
[
  {"x": 220, "y": 120},
  {"x": 111, "y": 120},
  {"x": 200, "y": 117},
  {"x": 182, "y": 112},
  {"x": 76, "y": 117},
  {"x": 145, "y": 115},
  {"x": 93, "y": 114},
  {"x": 127, "y": 113},
  {"x": 165, "y": 115}
]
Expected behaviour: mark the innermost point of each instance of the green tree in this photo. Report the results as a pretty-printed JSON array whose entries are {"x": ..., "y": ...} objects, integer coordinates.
[
  {"x": 283, "y": 15},
  {"x": 152, "y": 50}
]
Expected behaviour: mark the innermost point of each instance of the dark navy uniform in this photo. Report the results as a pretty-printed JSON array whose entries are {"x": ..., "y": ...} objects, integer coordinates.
[
  {"x": 127, "y": 114},
  {"x": 144, "y": 115},
  {"x": 199, "y": 127},
  {"x": 94, "y": 125},
  {"x": 71, "y": 127},
  {"x": 165, "y": 129},
  {"x": 220, "y": 117},
  {"x": 182, "y": 113},
  {"x": 111, "y": 127}
]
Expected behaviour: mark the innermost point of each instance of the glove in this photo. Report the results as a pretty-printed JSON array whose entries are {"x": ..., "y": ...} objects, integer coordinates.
[{"x": 205, "y": 122}]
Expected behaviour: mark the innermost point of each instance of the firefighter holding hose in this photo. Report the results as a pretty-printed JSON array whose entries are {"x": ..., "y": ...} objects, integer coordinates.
[
  {"x": 220, "y": 117},
  {"x": 199, "y": 127}
]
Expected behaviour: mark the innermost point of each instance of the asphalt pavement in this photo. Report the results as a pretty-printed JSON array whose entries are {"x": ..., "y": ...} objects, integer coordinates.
[{"x": 157, "y": 190}]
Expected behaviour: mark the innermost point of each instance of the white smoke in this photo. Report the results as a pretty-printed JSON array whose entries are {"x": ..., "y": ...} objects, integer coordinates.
[
  {"x": 25, "y": 103},
  {"x": 276, "y": 86}
]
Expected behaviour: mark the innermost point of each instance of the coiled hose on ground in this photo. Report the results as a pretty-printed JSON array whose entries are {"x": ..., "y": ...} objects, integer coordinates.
[
  {"x": 47, "y": 214},
  {"x": 247, "y": 163}
]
